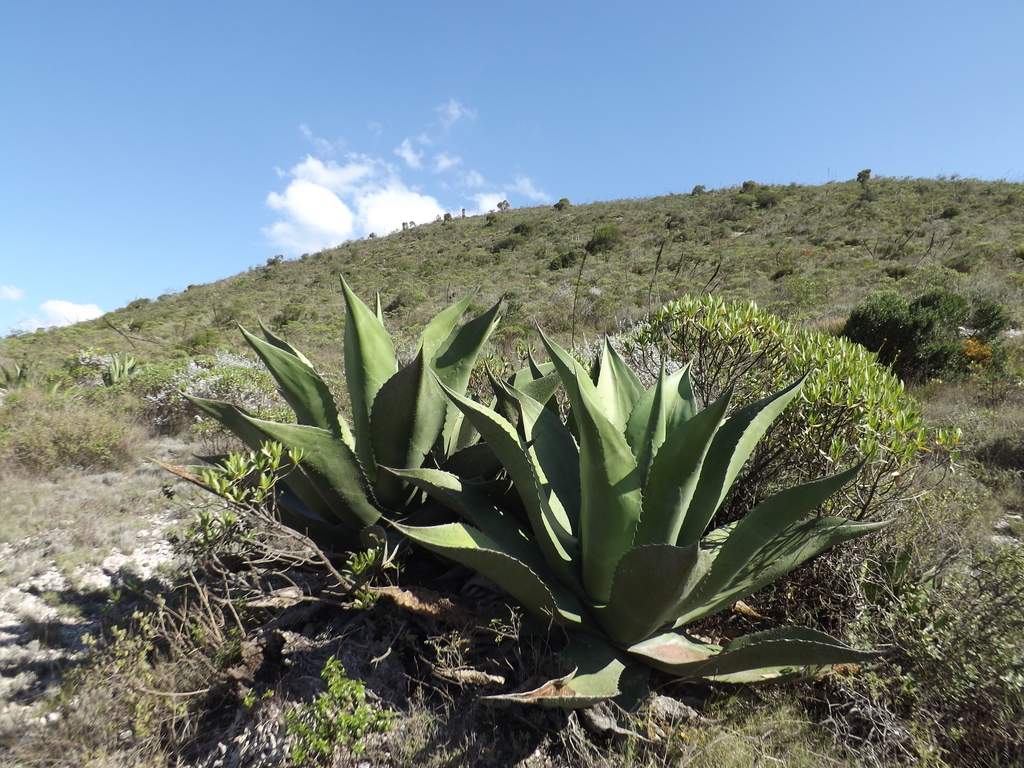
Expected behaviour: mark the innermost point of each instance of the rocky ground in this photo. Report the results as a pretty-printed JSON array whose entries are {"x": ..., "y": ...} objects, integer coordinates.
[{"x": 55, "y": 584}]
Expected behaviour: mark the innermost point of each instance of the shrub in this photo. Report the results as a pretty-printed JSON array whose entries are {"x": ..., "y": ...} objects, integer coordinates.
[
  {"x": 988, "y": 320},
  {"x": 606, "y": 237},
  {"x": 564, "y": 260},
  {"x": 920, "y": 339},
  {"x": 508, "y": 243},
  {"x": 850, "y": 407},
  {"x": 956, "y": 662},
  {"x": 340, "y": 716},
  {"x": 203, "y": 340},
  {"x": 224, "y": 376},
  {"x": 562, "y": 204},
  {"x": 45, "y": 433},
  {"x": 526, "y": 229},
  {"x": 766, "y": 197}
]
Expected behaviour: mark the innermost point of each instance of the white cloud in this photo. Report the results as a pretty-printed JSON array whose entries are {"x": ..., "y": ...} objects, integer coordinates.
[
  {"x": 485, "y": 202},
  {"x": 323, "y": 145},
  {"x": 444, "y": 161},
  {"x": 316, "y": 218},
  {"x": 384, "y": 210},
  {"x": 453, "y": 112},
  {"x": 10, "y": 293},
  {"x": 524, "y": 186},
  {"x": 338, "y": 178},
  {"x": 59, "y": 313},
  {"x": 474, "y": 179},
  {"x": 411, "y": 156},
  {"x": 327, "y": 203}
]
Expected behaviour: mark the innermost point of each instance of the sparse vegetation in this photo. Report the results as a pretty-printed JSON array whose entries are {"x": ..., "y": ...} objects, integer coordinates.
[{"x": 176, "y": 671}]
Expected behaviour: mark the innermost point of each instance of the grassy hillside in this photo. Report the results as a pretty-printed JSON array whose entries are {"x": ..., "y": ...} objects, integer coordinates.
[
  {"x": 805, "y": 253},
  {"x": 227, "y": 652}
]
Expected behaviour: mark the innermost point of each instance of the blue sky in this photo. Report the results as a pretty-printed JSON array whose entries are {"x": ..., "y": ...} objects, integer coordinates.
[{"x": 148, "y": 146}]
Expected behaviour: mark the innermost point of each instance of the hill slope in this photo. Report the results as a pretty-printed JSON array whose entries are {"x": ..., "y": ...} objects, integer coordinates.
[{"x": 807, "y": 253}]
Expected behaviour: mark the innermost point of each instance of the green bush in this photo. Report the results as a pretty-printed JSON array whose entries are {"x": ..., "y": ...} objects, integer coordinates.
[
  {"x": 224, "y": 376},
  {"x": 564, "y": 260},
  {"x": 605, "y": 238},
  {"x": 526, "y": 229},
  {"x": 766, "y": 197},
  {"x": 956, "y": 662},
  {"x": 508, "y": 243},
  {"x": 339, "y": 717},
  {"x": 203, "y": 340},
  {"x": 919, "y": 340},
  {"x": 44, "y": 433},
  {"x": 988, "y": 320},
  {"x": 562, "y": 204},
  {"x": 851, "y": 406}
]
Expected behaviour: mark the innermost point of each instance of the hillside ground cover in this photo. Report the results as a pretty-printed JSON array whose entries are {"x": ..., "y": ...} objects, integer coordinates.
[{"x": 936, "y": 592}]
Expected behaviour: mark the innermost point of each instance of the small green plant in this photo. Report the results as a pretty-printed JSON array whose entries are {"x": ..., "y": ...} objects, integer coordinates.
[
  {"x": 14, "y": 377},
  {"x": 338, "y": 718},
  {"x": 119, "y": 368},
  {"x": 562, "y": 204}
]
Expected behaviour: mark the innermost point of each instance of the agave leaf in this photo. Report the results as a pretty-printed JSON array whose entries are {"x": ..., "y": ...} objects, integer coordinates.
[
  {"x": 650, "y": 581},
  {"x": 598, "y": 671},
  {"x": 732, "y": 446},
  {"x": 476, "y": 462},
  {"x": 675, "y": 474},
  {"x": 280, "y": 343},
  {"x": 760, "y": 526},
  {"x": 442, "y": 325},
  {"x": 337, "y": 537},
  {"x": 300, "y": 384},
  {"x": 332, "y": 468},
  {"x": 568, "y": 367},
  {"x": 788, "y": 550},
  {"x": 235, "y": 419},
  {"x": 554, "y": 453},
  {"x": 540, "y": 389},
  {"x": 555, "y": 540},
  {"x": 760, "y": 655},
  {"x": 407, "y": 416},
  {"x": 453, "y": 363},
  {"x": 369, "y": 362},
  {"x": 658, "y": 412},
  {"x": 331, "y": 485},
  {"x": 476, "y": 508},
  {"x": 610, "y": 499},
  {"x": 618, "y": 388},
  {"x": 474, "y": 549},
  {"x": 646, "y": 428}
]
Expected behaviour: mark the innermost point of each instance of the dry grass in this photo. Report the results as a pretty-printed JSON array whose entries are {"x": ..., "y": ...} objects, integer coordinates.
[{"x": 73, "y": 518}]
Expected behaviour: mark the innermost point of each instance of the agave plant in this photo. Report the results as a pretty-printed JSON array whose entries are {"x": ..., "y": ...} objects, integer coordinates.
[
  {"x": 613, "y": 544},
  {"x": 401, "y": 418}
]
